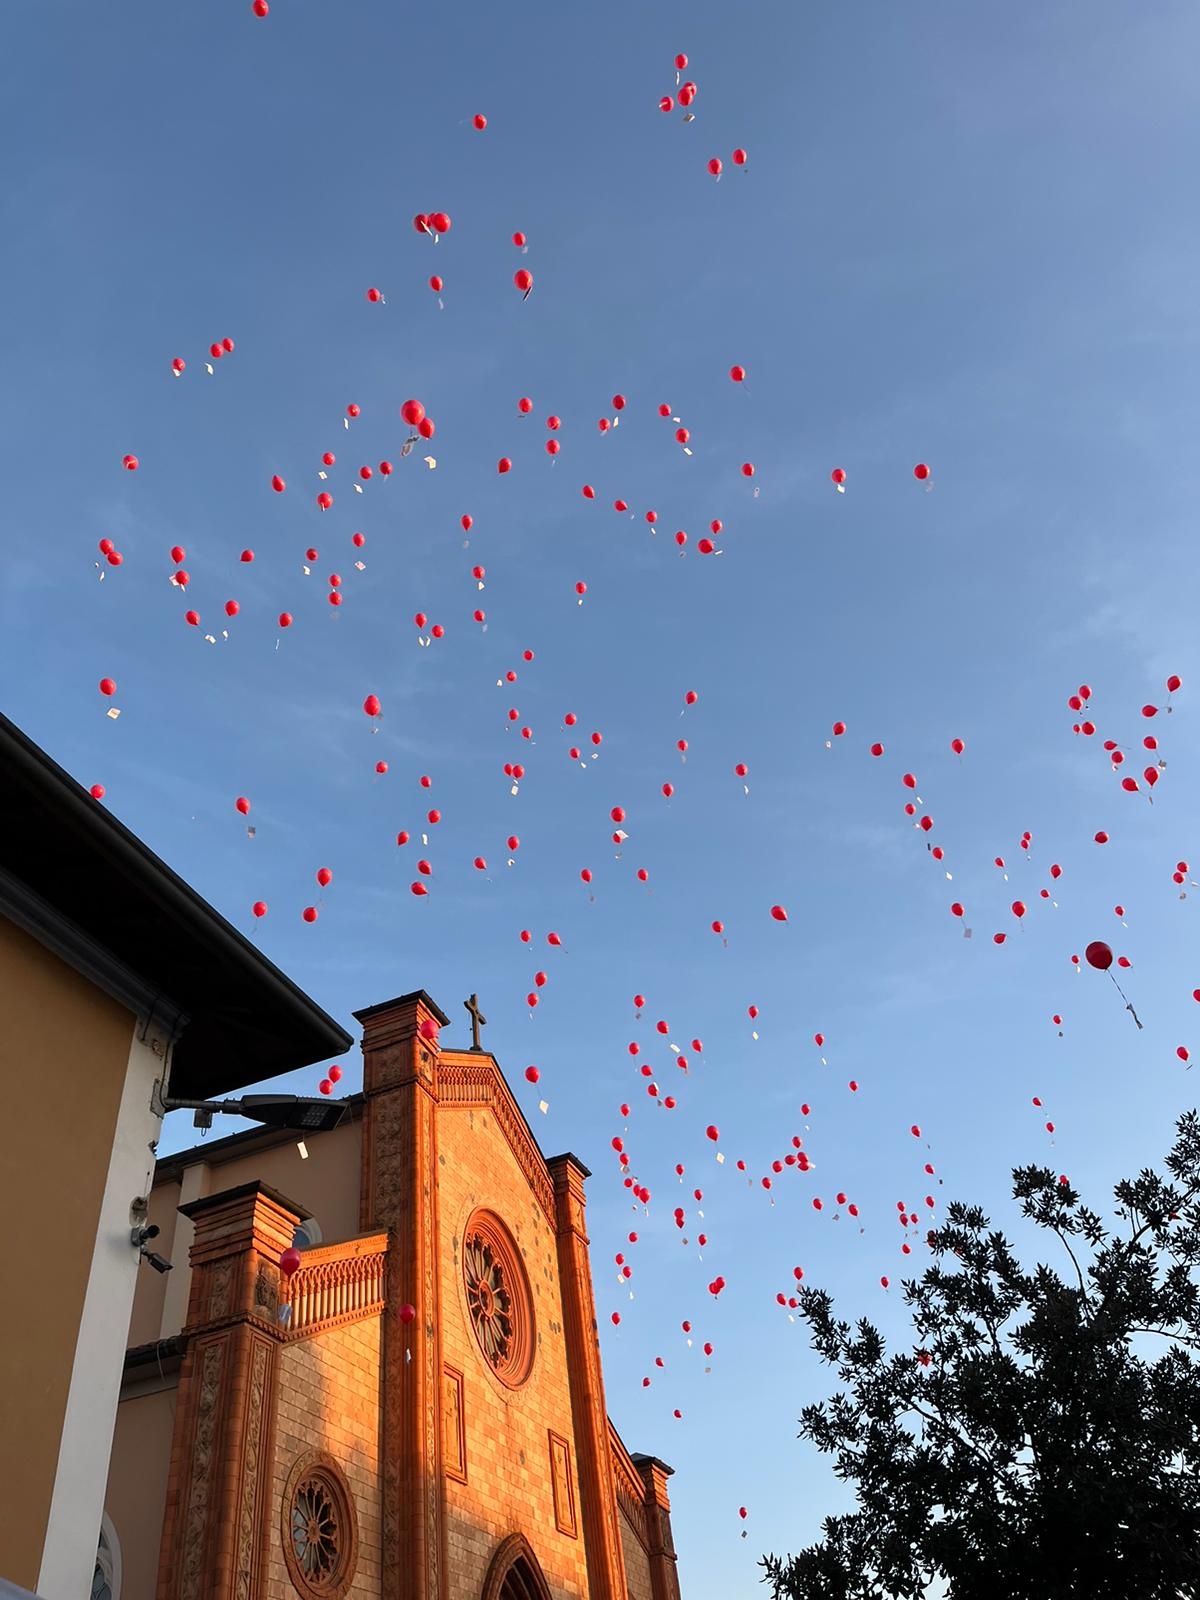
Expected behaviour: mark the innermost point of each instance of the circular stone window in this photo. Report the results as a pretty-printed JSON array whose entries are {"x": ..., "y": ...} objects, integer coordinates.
[
  {"x": 498, "y": 1298},
  {"x": 320, "y": 1531}
]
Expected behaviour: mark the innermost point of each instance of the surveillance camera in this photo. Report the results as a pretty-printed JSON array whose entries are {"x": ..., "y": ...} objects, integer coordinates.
[
  {"x": 138, "y": 1236},
  {"x": 159, "y": 1263}
]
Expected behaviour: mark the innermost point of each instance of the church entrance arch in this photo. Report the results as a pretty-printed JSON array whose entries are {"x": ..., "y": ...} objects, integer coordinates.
[{"x": 515, "y": 1573}]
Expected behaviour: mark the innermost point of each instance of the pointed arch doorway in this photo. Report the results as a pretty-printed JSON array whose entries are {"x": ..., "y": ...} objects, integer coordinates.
[{"x": 515, "y": 1573}]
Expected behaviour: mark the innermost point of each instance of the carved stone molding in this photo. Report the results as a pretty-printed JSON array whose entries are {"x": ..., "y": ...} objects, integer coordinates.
[
  {"x": 631, "y": 1491},
  {"x": 454, "y": 1418},
  {"x": 193, "y": 1562},
  {"x": 597, "y": 1493},
  {"x": 253, "y": 1449},
  {"x": 401, "y": 1142},
  {"x": 562, "y": 1481}
]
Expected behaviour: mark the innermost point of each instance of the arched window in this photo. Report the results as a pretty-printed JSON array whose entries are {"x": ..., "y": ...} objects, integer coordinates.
[
  {"x": 515, "y": 1573},
  {"x": 106, "y": 1580},
  {"x": 307, "y": 1234}
]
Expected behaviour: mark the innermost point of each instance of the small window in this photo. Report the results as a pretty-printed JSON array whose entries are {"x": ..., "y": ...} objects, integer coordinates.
[
  {"x": 307, "y": 1234},
  {"x": 106, "y": 1580}
]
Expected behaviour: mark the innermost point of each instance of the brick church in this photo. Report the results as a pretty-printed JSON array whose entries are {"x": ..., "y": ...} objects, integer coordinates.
[{"x": 417, "y": 1412}]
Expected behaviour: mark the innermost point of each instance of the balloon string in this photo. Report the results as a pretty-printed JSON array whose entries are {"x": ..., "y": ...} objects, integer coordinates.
[{"x": 1121, "y": 992}]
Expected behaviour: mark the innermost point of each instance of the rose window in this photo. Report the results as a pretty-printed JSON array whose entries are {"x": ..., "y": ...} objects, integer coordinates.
[
  {"x": 499, "y": 1303},
  {"x": 490, "y": 1302},
  {"x": 315, "y": 1531},
  {"x": 319, "y": 1533}
]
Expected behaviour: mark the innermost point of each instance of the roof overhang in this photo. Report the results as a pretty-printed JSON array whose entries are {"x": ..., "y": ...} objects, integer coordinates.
[{"x": 247, "y": 1021}]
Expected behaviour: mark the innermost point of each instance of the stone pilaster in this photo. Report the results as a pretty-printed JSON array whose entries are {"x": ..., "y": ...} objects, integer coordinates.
[
  {"x": 399, "y": 1192},
  {"x": 217, "y": 1512},
  {"x": 598, "y": 1500},
  {"x": 664, "y": 1574}
]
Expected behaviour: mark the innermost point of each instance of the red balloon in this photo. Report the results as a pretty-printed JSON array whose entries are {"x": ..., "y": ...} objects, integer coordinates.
[
  {"x": 412, "y": 411},
  {"x": 666, "y": 103},
  {"x": 407, "y": 1313},
  {"x": 920, "y": 471},
  {"x": 779, "y": 914},
  {"x": 479, "y": 121},
  {"x": 838, "y": 475},
  {"x": 108, "y": 686},
  {"x": 277, "y": 484},
  {"x": 324, "y": 877},
  {"x": 324, "y": 500},
  {"x": 435, "y": 283},
  {"x": 523, "y": 279},
  {"x": 1174, "y": 682},
  {"x": 739, "y": 158},
  {"x": 712, "y": 1133},
  {"x": 957, "y": 746},
  {"x": 289, "y": 1260},
  {"x": 259, "y": 908},
  {"x": 738, "y": 374},
  {"x": 1098, "y": 955},
  {"x": 439, "y": 222},
  {"x": 243, "y": 805},
  {"x": 374, "y": 296},
  {"x": 309, "y": 913},
  {"x": 714, "y": 163},
  {"x": 179, "y": 364},
  {"x": 504, "y": 464},
  {"x": 130, "y": 463},
  {"x": 371, "y": 705},
  {"x": 519, "y": 240}
]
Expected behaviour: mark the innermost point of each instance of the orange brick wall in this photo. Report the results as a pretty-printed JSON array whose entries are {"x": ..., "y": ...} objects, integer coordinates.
[
  {"x": 328, "y": 1388},
  {"x": 508, "y": 1488},
  {"x": 637, "y": 1562}
]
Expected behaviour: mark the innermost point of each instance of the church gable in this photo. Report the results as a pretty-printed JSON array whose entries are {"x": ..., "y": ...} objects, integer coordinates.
[
  {"x": 508, "y": 1427},
  {"x": 417, "y": 1410}
]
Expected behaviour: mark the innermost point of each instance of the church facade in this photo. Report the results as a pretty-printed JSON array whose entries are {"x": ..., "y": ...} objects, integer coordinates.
[{"x": 417, "y": 1412}]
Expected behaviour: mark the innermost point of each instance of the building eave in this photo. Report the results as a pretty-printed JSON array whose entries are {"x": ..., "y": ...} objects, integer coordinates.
[{"x": 247, "y": 1020}]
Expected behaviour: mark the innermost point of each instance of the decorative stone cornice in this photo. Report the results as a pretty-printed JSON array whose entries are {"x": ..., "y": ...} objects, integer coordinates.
[{"x": 631, "y": 1490}]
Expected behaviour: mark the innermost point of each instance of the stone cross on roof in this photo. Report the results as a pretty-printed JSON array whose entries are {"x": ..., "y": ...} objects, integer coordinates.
[{"x": 478, "y": 1020}]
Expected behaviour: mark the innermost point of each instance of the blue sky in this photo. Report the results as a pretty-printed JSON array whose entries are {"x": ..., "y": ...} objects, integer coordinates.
[{"x": 962, "y": 237}]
